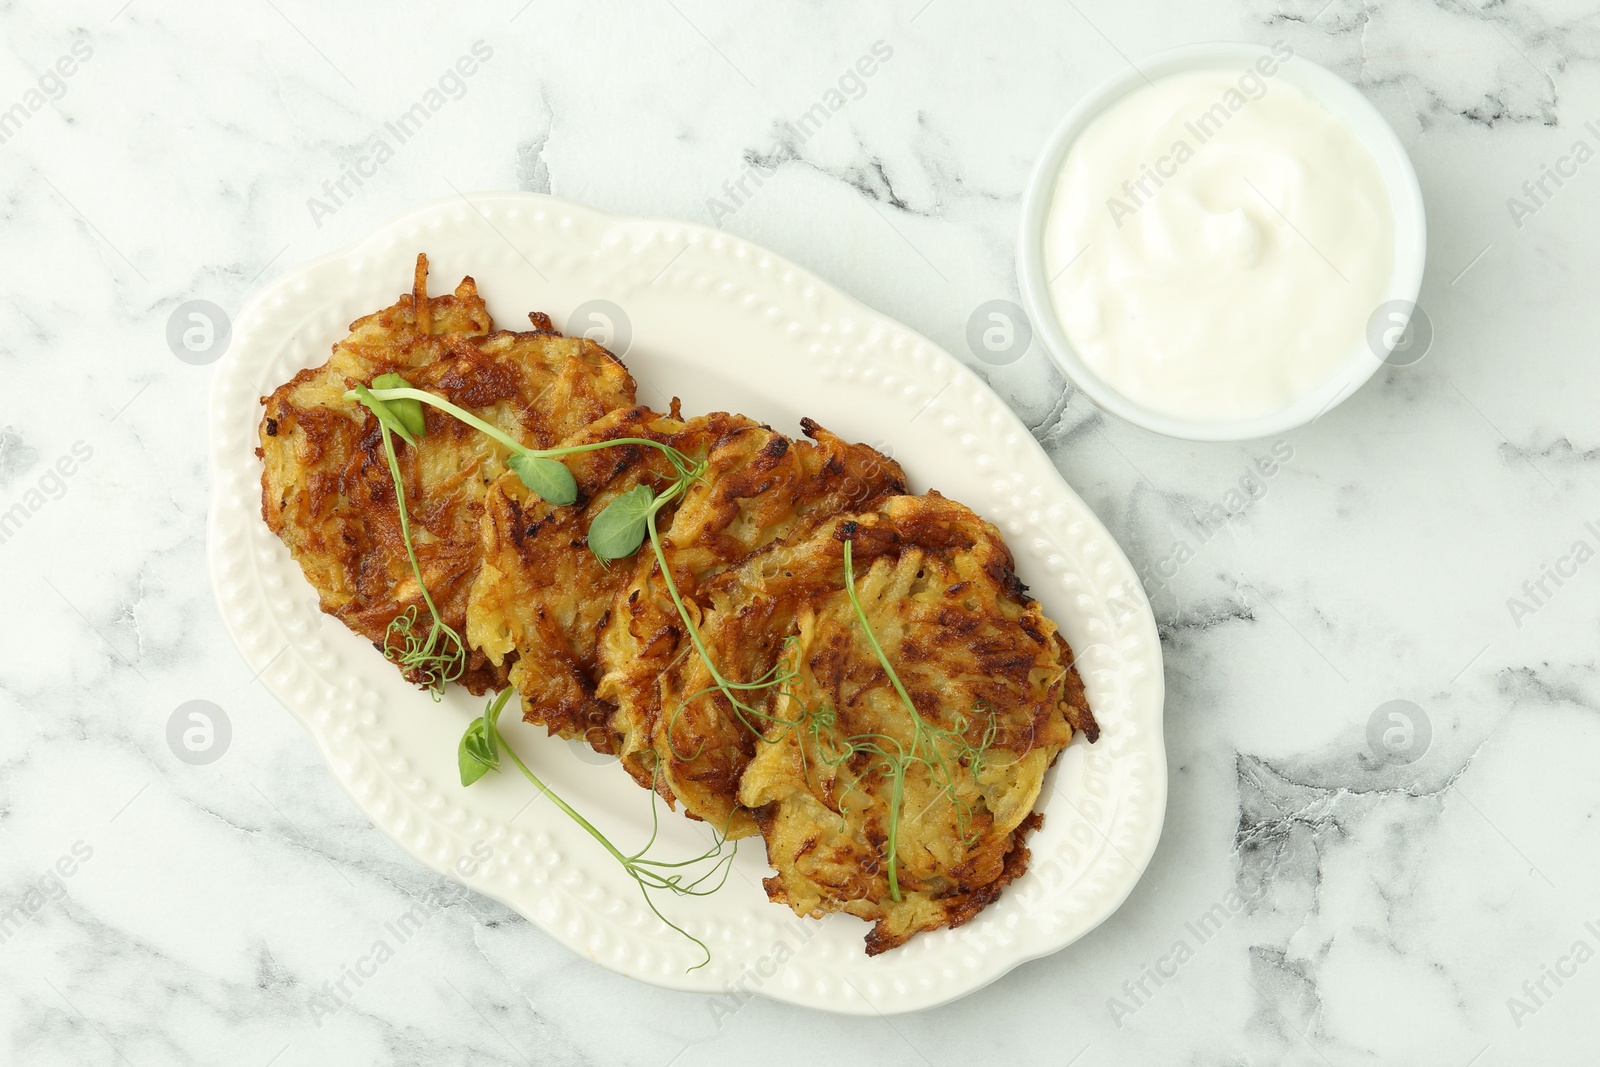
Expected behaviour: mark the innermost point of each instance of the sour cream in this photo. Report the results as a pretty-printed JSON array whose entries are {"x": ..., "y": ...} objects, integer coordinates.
[{"x": 1216, "y": 243}]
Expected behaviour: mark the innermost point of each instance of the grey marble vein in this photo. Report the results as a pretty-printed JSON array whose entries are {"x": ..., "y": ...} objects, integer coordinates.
[{"x": 1418, "y": 550}]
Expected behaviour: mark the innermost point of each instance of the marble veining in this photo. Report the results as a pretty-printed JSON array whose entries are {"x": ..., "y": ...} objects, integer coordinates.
[{"x": 1346, "y": 886}]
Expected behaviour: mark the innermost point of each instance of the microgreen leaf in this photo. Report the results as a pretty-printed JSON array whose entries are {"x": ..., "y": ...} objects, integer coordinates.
[
  {"x": 551, "y": 480},
  {"x": 409, "y": 412},
  {"x": 479, "y": 751},
  {"x": 385, "y": 414},
  {"x": 473, "y": 756},
  {"x": 619, "y": 530}
]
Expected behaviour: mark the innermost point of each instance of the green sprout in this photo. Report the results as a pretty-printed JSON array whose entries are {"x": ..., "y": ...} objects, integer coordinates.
[
  {"x": 479, "y": 753},
  {"x": 440, "y": 656},
  {"x": 928, "y": 742},
  {"x": 535, "y": 467}
]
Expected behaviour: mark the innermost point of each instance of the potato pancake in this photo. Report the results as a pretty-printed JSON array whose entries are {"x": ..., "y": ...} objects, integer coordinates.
[
  {"x": 759, "y": 491},
  {"x": 327, "y": 490},
  {"x": 847, "y": 775},
  {"x": 887, "y": 736},
  {"x": 542, "y": 597}
]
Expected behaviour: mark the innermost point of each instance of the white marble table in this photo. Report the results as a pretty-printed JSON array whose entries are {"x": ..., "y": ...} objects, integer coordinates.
[{"x": 1433, "y": 911}]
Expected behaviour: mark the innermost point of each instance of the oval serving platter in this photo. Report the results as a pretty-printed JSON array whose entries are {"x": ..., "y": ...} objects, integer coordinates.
[{"x": 725, "y": 325}]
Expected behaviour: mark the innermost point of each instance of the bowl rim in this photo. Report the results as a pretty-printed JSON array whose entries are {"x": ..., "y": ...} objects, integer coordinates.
[{"x": 1348, "y": 104}]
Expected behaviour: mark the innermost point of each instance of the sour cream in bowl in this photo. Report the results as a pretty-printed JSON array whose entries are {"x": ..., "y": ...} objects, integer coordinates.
[{"x": 1214, "y": 245}]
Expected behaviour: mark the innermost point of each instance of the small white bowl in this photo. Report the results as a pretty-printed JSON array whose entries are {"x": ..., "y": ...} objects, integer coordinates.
[{"x": 1323, "y": 86}]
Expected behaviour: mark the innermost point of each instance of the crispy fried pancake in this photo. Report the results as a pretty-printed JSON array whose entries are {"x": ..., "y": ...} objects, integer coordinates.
[
  {"x": 823, "y": 742},
  {"x": 996, "y": 700},
  {"x": 760, "y": 491},
  {"x": 542, "y": 596},
  {"x": 327, "y": 491}
]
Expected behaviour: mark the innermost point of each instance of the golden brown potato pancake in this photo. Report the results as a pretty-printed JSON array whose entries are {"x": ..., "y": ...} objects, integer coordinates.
[
  {"x": 542, "y": 597},
  {"x": 996, "y": 699},
  {"x": 760, "y": 490},
  {"x": 817, "y": 750},
  {"x": 326, "y": 488}
]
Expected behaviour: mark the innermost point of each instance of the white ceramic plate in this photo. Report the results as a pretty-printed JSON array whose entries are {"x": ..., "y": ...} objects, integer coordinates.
[{"x": 726, "y": 326}]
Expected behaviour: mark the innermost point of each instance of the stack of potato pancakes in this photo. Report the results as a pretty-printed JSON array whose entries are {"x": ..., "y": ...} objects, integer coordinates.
[{"x": 598, "y": 652}]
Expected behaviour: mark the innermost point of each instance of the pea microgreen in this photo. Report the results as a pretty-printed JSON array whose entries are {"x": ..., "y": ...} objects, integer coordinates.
[
  {"x": 479, "y": 752},
  {"x": 409, "y": 412},
  {"x": 385, "y": 414},
  {"x": 928, "y": 741},
  {"x": 439, "y": 656},
  {"x": 551, "y": 480},
  {"x": 535, "y": 467}
]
